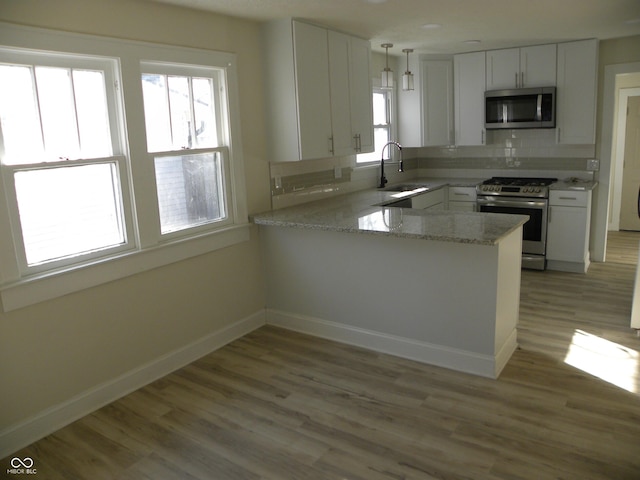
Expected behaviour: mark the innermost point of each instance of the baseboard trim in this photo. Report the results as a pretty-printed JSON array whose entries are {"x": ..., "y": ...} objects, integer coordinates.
[
  {"x": 571, "y": 267},
  {"x": 48, "y": 421},
  {"x": 441, "y": 356},
  {"x": 504, "y": 354}
]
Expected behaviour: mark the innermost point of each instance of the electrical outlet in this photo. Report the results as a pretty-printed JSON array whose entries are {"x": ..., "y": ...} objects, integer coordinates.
[
  {"x": 593, "y": 165},
  {"x": 278, "y": 182},
  {"x": 337, "y": 172}
]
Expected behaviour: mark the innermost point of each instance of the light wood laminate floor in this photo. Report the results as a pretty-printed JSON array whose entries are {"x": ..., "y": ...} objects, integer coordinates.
[{"x": 281, "y": 405}]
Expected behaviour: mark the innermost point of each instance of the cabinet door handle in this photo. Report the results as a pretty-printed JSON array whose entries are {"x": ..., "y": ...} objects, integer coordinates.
[
  {"x": 516, "y": 79},
  {"x": 568, "y": 198},
  {"x": 461, "y": 194},
  {"x": 358, "y": 142},
  {"x": 331, "y": 144}
]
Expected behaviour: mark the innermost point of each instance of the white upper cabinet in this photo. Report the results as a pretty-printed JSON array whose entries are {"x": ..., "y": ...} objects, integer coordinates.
[
  {"x": 437, "y": 102},
  {"x": 521, "y": 67},
  {"x": 339, "y": 93},
  {"x": 360, "y": 95},
  {"x": 319, "y": 97},
  {"x": 469, "y": 88},
  {"x": 426, "y": 113},
  {"x": 410, "y": 117},
  {"x": 576, "y": 92},
  {"x": 313, "y": 87}
]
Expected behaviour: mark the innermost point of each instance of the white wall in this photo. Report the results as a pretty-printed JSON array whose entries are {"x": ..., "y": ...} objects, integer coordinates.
[{"x": 55, "y": 351}]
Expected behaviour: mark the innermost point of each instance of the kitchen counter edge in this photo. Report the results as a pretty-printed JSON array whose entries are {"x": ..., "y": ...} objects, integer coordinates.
[{"x": 345, "y": 213}]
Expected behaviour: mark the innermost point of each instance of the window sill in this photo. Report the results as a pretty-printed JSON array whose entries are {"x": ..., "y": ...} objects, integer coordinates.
[{"x": 48, "y": 286}]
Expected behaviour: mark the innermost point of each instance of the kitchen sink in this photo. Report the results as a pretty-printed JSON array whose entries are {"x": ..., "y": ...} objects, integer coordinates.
[
  {"x": 403, "y": 203},
  {"x": 406, "y": 187}
]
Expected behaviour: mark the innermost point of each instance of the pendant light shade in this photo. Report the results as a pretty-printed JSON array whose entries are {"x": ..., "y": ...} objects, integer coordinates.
[
  {"x": 386, "y": 80},
  {"x": 407, "y": 78}
]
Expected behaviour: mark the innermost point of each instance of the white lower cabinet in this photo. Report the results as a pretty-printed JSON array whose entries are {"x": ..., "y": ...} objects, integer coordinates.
[
  {"x": 568, "y": 230},
  {"x": 461, "y": 199},
  {"x": 433, "y": 200}
]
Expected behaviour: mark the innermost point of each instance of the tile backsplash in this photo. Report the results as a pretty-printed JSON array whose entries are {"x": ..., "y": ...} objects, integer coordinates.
[{"x": 507, "y": 153}]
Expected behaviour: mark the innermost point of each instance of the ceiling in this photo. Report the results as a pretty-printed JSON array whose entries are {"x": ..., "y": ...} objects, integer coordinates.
[{"x": 495, "y": 23}]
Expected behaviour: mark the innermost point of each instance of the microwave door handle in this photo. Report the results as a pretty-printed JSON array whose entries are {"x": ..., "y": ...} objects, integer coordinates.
[{"x": 539, "y": 108}]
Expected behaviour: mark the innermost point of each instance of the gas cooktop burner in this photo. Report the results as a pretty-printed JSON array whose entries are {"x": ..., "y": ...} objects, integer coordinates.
[
  {"x": 516, "y": 187},
  {"x": 520, "y": 182}
]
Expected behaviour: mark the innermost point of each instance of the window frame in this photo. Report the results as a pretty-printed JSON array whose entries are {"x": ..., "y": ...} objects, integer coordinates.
[
  {"x": 148, "y": 248},
  {"x": 124, "y": 200},
  {"x": 390, "y": 100},
  {"x": 226, "y": 188},
  {"x": 109, "y": 67},
  {"x": 222, "y": 126}
]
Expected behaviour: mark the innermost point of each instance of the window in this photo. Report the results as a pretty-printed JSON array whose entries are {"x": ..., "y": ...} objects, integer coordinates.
[
  {"x": 115, "y": 157},
  {"x": 184, "y": 123},
  {"x": 61, "y": 162},
  {"x": 382, "y": 125}
]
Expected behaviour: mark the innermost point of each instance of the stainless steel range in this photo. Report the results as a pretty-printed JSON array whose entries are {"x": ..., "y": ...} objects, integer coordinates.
[{"x": 522, "y": 196}]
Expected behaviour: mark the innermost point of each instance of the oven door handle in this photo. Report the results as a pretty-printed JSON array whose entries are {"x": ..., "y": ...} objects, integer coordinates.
[{"x": 510, "y": 203}]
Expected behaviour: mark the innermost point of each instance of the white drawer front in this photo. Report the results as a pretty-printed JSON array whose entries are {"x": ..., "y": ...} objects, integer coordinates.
[
  {"x": 428, "y": 199},
  {"x": 569, "y": 198},
  {"x": 462, "y": 194}
]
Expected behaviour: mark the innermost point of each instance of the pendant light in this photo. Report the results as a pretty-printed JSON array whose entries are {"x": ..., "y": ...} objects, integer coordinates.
[
  {"x": 386, "y": 80},
  {"x": 407, "y": 78}
]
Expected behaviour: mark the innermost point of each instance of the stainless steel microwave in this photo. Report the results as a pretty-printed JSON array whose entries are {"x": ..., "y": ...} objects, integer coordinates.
[{"x": 520, "y": 108}]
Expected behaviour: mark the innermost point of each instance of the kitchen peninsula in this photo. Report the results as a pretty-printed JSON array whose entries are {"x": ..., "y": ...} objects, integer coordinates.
[{"x": 440, "y": 287}]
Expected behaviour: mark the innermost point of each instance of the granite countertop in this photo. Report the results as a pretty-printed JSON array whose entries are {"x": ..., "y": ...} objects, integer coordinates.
[
  {"x": 362, "y": 213},
  {"x": 574, "y": 184}
]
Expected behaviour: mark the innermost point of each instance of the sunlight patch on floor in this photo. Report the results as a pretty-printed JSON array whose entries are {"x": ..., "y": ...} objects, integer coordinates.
[{"x": 606, "y": 360}]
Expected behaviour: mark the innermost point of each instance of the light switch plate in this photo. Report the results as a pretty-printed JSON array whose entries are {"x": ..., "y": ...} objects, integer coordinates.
[{"x": 593, "y": 165}]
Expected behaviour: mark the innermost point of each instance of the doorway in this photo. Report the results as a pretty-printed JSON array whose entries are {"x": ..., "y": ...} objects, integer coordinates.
[
  {"x": 630, "y": 194},
  {"x": 607, "y": 197}
]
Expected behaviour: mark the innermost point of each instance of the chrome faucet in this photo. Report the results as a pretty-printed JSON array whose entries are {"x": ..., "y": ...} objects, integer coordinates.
[{"x": 383, "y": 179}]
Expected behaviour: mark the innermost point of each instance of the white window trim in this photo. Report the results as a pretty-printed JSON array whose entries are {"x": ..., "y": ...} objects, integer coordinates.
[
  {"x": 151, "y": 251},
  {"x": 375, "y": 81},
  {"x": 61, "y": 264}
]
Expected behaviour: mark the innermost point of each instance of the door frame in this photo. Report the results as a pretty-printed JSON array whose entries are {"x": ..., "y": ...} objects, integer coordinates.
[
  {"x": 618, "y": 160},
  {"x": 602, "y": 194}
]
